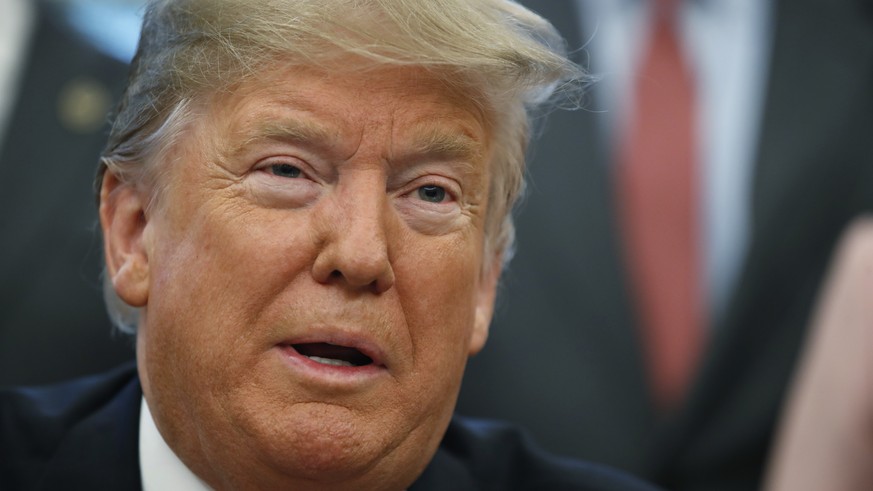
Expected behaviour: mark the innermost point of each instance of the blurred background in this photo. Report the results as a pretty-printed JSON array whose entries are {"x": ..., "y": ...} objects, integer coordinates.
[
  {"x": 670, "y": 249},
  {"x": 62, "y": 67},
  {"x": 111, "y": 25}
]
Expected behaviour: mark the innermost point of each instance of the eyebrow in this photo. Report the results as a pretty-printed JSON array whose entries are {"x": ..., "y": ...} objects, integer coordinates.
[
  {"x": 289, "y": 130},
  {"x": 433, "y": 141},
  {"x": 286, "y": 130}
]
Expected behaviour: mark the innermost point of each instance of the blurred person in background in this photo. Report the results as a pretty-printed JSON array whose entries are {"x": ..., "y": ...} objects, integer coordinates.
[
  {"x": 825, "y": 439},
  {"x": 675, "y": 234},
  {"x": 56, "y": 88}
]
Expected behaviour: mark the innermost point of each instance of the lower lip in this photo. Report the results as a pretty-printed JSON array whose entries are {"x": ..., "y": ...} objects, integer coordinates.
[{"x": 329, "y": 374}]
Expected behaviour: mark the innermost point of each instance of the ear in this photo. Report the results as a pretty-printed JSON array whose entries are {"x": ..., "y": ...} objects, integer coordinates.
[
  {"x": 485, "y": 297},
  {"x": 124, "y": 223}
]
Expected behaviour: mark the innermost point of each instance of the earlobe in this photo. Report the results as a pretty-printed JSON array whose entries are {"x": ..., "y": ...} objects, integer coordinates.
[
  {"x": 485, "y": 305},
  {"x": 124, "y": 224}
]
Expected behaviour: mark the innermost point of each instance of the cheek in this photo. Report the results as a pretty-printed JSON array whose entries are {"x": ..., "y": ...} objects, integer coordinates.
[
  {"x": 437, "y": 289},
  {"x": 213, "y": 281}
]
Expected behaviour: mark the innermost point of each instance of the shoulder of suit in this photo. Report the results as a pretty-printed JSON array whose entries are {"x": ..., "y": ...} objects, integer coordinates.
[
  {"x": 486, "y": 454},
  {"x": 35, "y": 420}
]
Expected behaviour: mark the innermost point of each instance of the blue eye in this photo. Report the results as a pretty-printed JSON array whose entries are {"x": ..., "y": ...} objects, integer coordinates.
[
  {"x": 285, "y": 170},
  {"x": 434, "y": 194}
]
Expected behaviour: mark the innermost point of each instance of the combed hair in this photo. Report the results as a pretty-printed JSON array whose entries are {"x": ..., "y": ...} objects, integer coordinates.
[{"x": 508, "y": 59}]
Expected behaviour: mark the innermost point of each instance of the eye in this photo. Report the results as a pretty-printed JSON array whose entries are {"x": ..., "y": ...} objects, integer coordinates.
[
  {"x": 431, "y": 193},
  {"x": 285, "y": 170}
]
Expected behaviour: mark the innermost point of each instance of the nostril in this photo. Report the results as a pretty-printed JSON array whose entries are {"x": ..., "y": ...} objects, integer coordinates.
[{"x": 336, "y": 274}]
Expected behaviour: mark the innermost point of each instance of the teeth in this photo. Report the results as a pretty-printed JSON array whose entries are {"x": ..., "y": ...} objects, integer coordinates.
[{"x": 330, "y": 361}]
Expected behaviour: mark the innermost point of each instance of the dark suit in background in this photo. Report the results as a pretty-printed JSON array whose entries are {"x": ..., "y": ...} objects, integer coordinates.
[
  {"x": 53, "y": 324},
  {"x": 565, "y": 328}
]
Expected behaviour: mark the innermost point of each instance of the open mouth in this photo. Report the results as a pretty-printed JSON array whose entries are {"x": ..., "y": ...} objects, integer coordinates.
[{"x": 332, "y": 354}]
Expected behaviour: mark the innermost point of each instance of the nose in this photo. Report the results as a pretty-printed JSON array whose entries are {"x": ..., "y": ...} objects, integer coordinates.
[{"x": 354, "y": 240}]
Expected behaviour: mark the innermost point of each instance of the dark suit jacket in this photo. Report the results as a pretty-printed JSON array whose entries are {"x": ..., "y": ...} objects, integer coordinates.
[
  {"x": 53, "y": 324},
  {"x": 85, "y": 435},
  {"x": 565, "y": 325}
]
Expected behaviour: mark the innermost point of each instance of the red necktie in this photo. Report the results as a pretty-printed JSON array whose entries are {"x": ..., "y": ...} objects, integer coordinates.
[{"x": 658, "y": 204}]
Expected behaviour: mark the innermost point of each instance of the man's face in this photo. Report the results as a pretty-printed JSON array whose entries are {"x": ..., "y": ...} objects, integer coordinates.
[{"x": 311, "y": 277}]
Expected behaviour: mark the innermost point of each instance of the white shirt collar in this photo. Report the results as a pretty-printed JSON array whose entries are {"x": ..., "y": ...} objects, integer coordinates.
[{"x": 160, "y": 467}]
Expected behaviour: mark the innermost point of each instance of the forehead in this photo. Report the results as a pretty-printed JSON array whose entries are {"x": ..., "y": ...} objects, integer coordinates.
[{"x": 402, "y": 106}]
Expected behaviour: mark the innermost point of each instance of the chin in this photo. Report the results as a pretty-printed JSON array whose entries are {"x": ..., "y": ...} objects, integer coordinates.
[{"x": 328, "y": 445}]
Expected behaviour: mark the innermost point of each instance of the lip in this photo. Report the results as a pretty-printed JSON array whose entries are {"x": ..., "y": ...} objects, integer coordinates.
[{"x": 334, "y": 375}]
